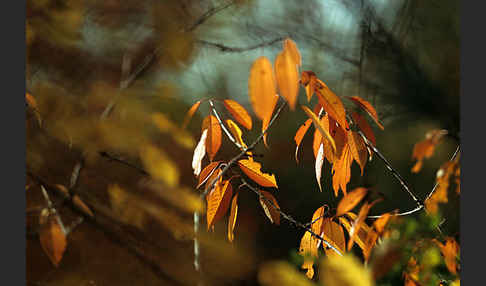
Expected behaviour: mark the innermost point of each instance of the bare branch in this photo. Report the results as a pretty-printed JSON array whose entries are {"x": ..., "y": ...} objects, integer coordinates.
[
  {"x": 211, "y": 12},
  {"x": 228, "y": 49}
]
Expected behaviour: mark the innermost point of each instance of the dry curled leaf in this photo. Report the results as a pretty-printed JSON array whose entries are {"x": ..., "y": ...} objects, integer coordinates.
[
  {"x": 239, "y": 113},
  {"x": 252, "y": 170},
  {"x": 287, "y": 77},
  {"x": 213, "y": 139},
  {"x": 366, "y": 106},
  {"x": 299, "y": 135},
  {"x": 190, "y": 113},
  {"x": 199, "y": 153},
  {"x": 270, "y": 208},
  {"x": 349, "y": 201},
  {"x": 232, "y": 218},
  {"x": 53, "y": 239},
  {"x": 218, "y": 201}
]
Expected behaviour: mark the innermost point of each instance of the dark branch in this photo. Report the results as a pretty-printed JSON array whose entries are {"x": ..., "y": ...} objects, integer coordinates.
[{"x": 228, "y": 49}]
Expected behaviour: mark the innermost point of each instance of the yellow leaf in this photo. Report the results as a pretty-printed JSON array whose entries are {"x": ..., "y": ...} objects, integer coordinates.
[
  {"x": 299, "y": 135},
  {"x": 291, "y": 47},
  {"x": 333, "y": 233},
  {"x": 232, "y": 218},
  {"x": 218, "y": 201},
  {"x": 344, "y": 270},
  {"x": 287, "y": 77},
  {"x": 362, "y": 233},
  {"x": 270, "y": 210},
  {"x": 199, "y": 153},
  {"x": 280, "y": 273},
  {"x": 159, "y": 166},
  {"x": 318, "y": 125},
  {"x": 308, "y": 249},
  {"x": 236, "y": 131},
  {"x": 252, "y": 170},
  {"x": 238, "y": 112},
  {"x": 349, "y": 201},
  {"x": 53, "y": 239},
  {"x": 213, "y": 140}
]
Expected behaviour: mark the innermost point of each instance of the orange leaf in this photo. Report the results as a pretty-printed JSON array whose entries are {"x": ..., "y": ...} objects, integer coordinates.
[
  {"x": 426, "y": 148},
  {"x": 362, "y": 233},
  {"x": 53, "y": 240},
  {"x": 334, "y": 234},
  {"x": 317, "y": 220},
  {"x": 366, "y": 106},
  {"x": 364, "y": 127},
  {"x": 319, "y": 163},
  {"x": 299, "y": 135},
  {"x": 213, "y": 140},
  {"x": 358, "y": 149},
  {"x": 332, "y": 104},
  {"x": 190, "y": 113},
  {"x": 270, "y": 211},
  {"x": 262, "y": 91},
  {"x": 207, "y": 172},
  {"x": 30, "y": 101},
  {"x": 232, "y": 218},
  {"x": 381, "y": 223},
  {"x": 252, "y": 170},
  {"x": 363, "y": 212},
  {"x": 450, "y": 250},
  {"x": 292, "y": 49},
  {"x": 316, "y": 144},
  {"x": 308, "y": 247},
  {"x": 342, "y": 171},
  {"x": 349, "y": 201},
  {"x": 239, "y": 113},
  {"x": 287, "y": 77},
  {"x": 218, "y": 201},
  {"x": 319, "y": 126},
  {"x": 82, "y": 206},
  {"x": 309, "y": 80}
]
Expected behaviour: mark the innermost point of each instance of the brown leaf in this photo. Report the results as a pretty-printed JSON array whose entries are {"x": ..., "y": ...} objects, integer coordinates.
[
  {"x": 218, "y": 201},
  {"x": 287, "y": 77},
  {"x": 332, "y": 104},
  {"x": 53, "y": 239},
  {"x": 270, "y": 211},
  {"x": 299, "y": 135},
  {"x": 319, "y": 126},
  {"x": 232, "y": 218},
  {"x": 207, "y": 172},
  {"x": 252, "y": 170},
  {"x": 190, "y": 113},
  {"x": 309, "y": 80},
  {"x": 291, "y": 47},
  {"x": 364, "y": 127},
  {"x": 349, "y": 201},
  {"x": 262, "y": 91},
  {"x": 236, "y": 132},
  {"x": 239, "y": 113},
  {"x": 358, "y": 149},
  {"x": 213, "y": 140},
  {"x": 366, "y": 106},
  {"x": 82, "y": 206}
]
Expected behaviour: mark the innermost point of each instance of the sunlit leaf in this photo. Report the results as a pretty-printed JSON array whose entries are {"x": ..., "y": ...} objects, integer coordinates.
[
  {"x": 349, "y": 201},
  {"x": 318, "y": 125},
  {"x": 299, "y": 135},
  {"x": 363, "y": 212},
  {"x": 53, "y": 239},
  {"x": 332, "y": 104},
  {"x": 287, "y": 77},
  {"x": 238, "y": 112},
  {"x": 344, "y": 270},
  {"x": 425, "y": 149},
  {"x": 366, "y": 106},
  {"x": 443, "y": 178},
  {"x": 213, "y": 140},
  {"x": 357, "y": 147},
  {"x": 381, "y": 222},
  {"x": 190, "y": 113},
  {"x": 232, "y": 218},
  {"x": 308, "y": 249},
  {"x": 270, "y": 210},
  {"x": 333, "y": 233},
  {"x": 342, "y": 171},
  {"x": 207, "y": 172},
  {"x": 252, "y": 170},
  {"x": 199, "y": 153},
  {"x": 236, "y": 132},
  {"x": 362, "y": 233},
  {"x": 291, "y": 47},
  {"x": 319, "y": 163},
  {"x": 450, "y": 250},
  {"x": 364, "y": 127},
  {"x": 218, "y": 201},
  {"x": 280, "y": 273},
  {"x": 309, "y": 80}
]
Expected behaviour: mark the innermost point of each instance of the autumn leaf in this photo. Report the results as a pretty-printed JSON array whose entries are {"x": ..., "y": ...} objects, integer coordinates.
[
  {"x": 213, "y": 140},
  {"x": 363, "y": 212},
  {"x": 252, "y": 170},
  {"x": 344, "y": 270},
  {"x": 80, "y": 204},
  {"x": 317, "y": 142},
  {"x": 363, "y": 125},
  {"x": 262, "y": 91},
  {"x": 232, "y": 218},
  {"x": 366, "y": 106},
  {"x": 443, "y": 181},
  {"x": 299, "y": 135},
  {"x": 199, "y": 153},
  {"x": 309, "y": 80},
  {"x": 362, "y": 233},
  {"x": 270, "y": 210},
  {"x": 281, "y": 273},
  {"x": 318, "y": 219},
  {"x": 207, "y": 172},
  {"x": 159, "y": 165},
  {"x": 319, "y": 163},
  {"x": 287, "y": 77},
  {"x": 236, "y": 132},
  {"x": 308, "y": 249},
  {"x": 342, "y": 171},
  {"x": 357, "y": 147},
  {"x": 426, "y": 148},
  {"x": 318, "y": 125},
  {"x": 190, "y": 113},
  {"x": 218, "y": 201},
  {"x": 349, "y": 201},
  {"x": 32, "y": 103},
  {"x": 381, "y": 223},
  {"x": 239, "y": 113},
  {"x": 332, "y": 104},
  {"x": 450, "y": 250},
  {"x": 333, "y": 233},
  {"x": 291, "y": 47},
  {"x": 53, "y": 239}
]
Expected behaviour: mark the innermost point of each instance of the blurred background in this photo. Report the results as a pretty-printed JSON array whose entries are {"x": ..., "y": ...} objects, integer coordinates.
[{"x": 98, "y": 71}]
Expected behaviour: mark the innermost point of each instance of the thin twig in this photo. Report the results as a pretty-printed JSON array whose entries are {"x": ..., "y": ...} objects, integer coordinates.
[
  {"x": 228, "y": 49},
  {"x": 208, "y": 15}
]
